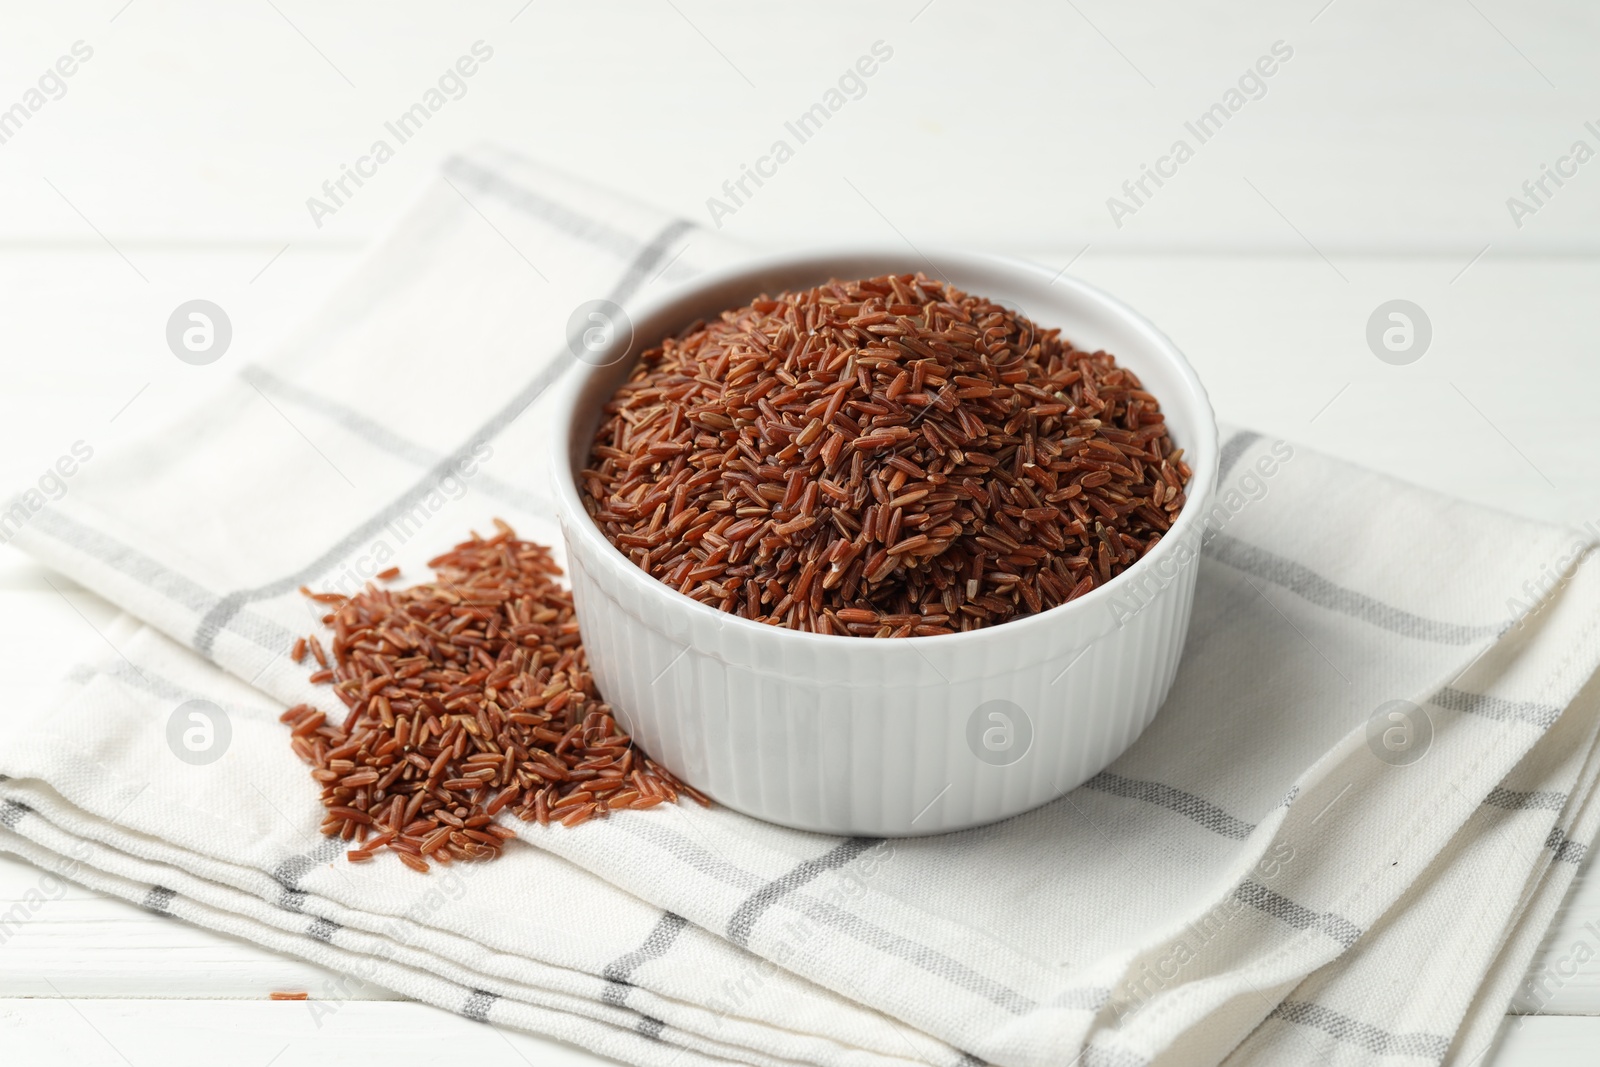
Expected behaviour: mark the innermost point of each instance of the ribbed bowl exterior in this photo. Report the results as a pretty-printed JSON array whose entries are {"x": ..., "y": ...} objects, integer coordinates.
[
  {"x": 894, "y": 736},
  {"x": 873, "y": 737}
]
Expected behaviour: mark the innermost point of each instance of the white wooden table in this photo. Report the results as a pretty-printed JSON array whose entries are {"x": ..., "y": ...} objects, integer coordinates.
[{"x": 1376, "y": 164}]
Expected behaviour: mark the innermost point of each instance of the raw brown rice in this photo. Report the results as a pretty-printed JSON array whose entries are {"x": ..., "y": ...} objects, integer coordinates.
[
  {"x": 887, "y": 458},
  {"x": 466, "y": 696}
]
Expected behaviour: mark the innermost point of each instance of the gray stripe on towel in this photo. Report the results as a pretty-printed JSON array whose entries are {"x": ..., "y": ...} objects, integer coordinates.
[
  {"x": 289, "y": 872},
  {"x": 745, "y": 917},
  {"x": 1565, "y": 848},
  {"x": 178, "y": 588},
  {"x": 1365, "y": 1036},
  {"x": 478, "y": 1004},
  {"x": 1083, "y": 998},
  {"x": 918, "y": 955},
  {"x": 156, "y": 685},
  {"x": 1498, "y": 708},
  {"x": 634, "y": 278},
  {"x": 1101, "y": 1056},
  {"x": 158, "y": 900},
  {"x": 1539, "y": 800},
  {"x": 222, "y": 613},
  {"x": 691, "y": 855},
  {"x": 1313, "y": 587},
  {"x": 1188, "y": 805},
  {"x": 228, "y": 612},
  {"x": 1298, "y": 916},
  {"x": 11, "y": 813},
  {"x": 556, "y": 215},
  {"x": 175, "y": 587},
  {"x": 619, "y": 971},
  {"x": 934, "y": 962},
  {"x": 1235, "y": 447},
  {"x": 380, "y": 436}
]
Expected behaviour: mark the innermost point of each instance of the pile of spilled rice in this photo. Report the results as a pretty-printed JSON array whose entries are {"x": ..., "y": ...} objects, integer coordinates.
[{"x": 465, "y": 696}]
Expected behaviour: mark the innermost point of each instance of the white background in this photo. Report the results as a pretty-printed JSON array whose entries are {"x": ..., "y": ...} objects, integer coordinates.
[{"x": 1376, "y": 165}]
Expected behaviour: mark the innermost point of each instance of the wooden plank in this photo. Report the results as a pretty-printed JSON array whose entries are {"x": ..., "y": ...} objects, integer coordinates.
[
  {"x": 201, "y": 1033},
  {"x": 78, "y": 943},
  {"x": 1564, "y": 976},
  {"x": 1545, "y": 1041},
  {"x": 1402, "y": 128}
]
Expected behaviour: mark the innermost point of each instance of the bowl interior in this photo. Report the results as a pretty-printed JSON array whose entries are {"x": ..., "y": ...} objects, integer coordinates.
[{"x": 1085, "y": 316}]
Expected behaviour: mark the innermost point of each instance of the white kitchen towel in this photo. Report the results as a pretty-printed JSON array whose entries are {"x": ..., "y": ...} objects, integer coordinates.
[{"x": 1337, "y": 841}]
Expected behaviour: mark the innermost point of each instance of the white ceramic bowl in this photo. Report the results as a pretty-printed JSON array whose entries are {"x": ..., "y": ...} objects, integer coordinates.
[{"x": 920, "y": 735}]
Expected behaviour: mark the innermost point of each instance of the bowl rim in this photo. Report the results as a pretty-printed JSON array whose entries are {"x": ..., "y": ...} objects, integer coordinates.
[{"x": 1205, "y": 451}]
